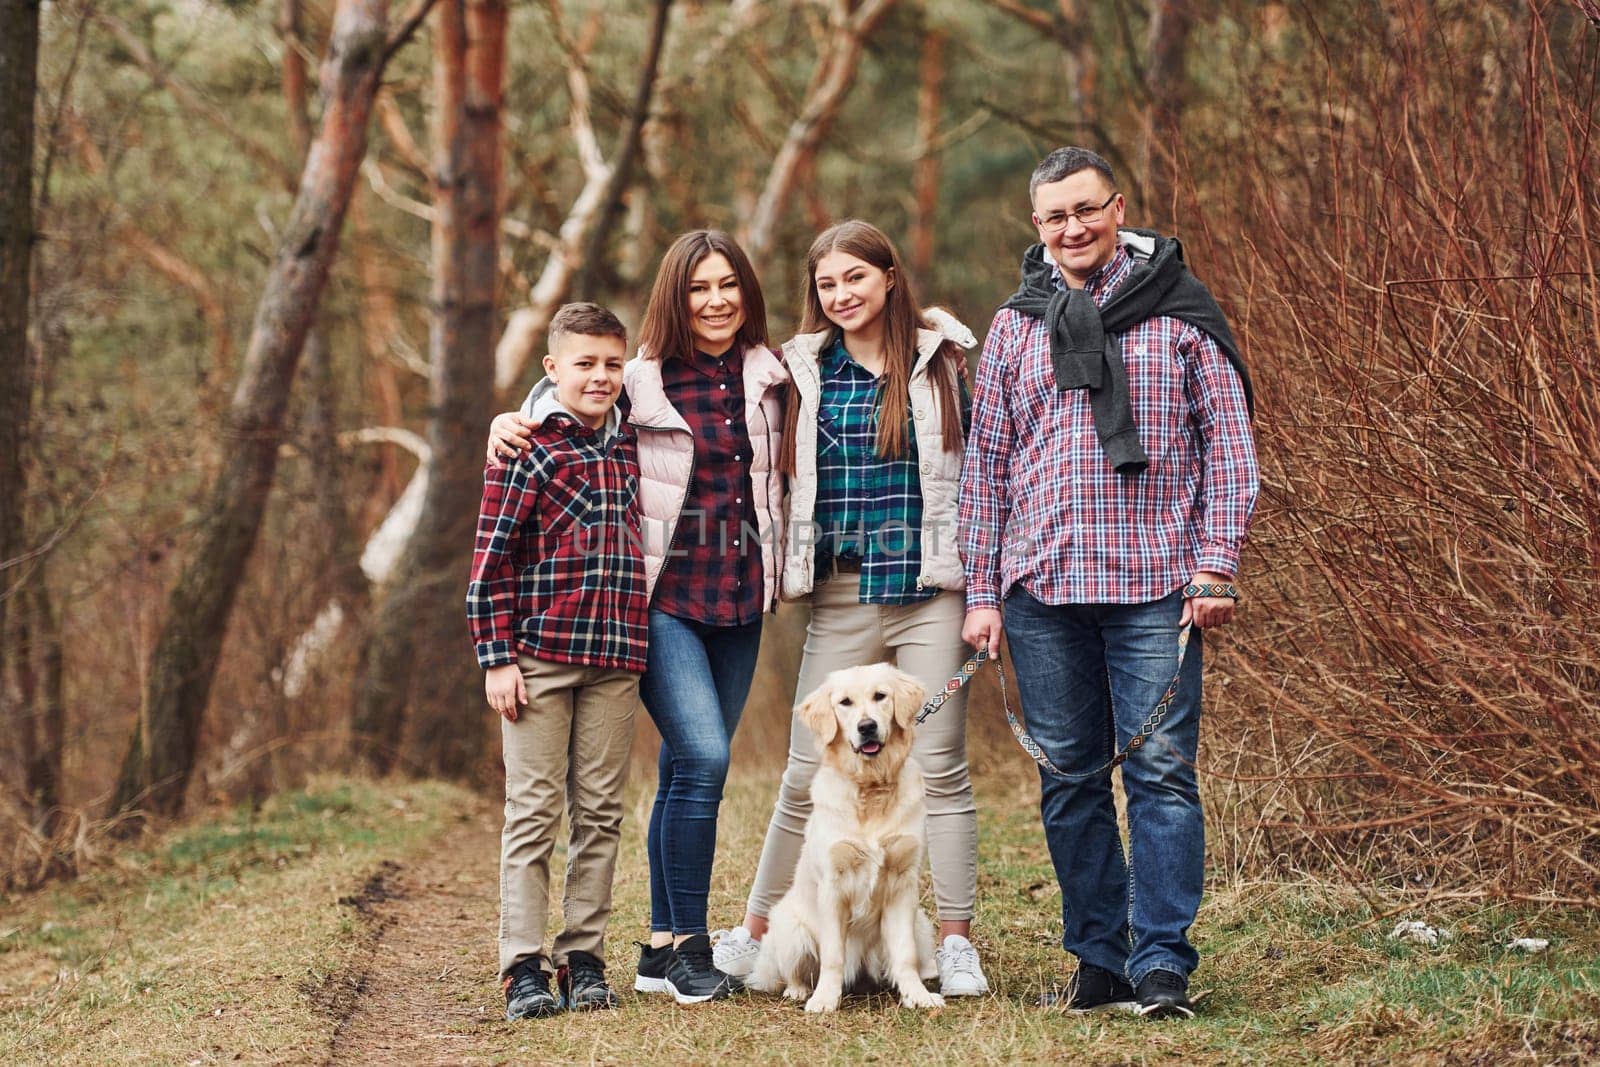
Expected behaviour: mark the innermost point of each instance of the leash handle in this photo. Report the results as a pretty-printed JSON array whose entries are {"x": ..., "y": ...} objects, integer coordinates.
[
  {"x": 1146, "y": 731},
  {"x": 967, "y": 672}
]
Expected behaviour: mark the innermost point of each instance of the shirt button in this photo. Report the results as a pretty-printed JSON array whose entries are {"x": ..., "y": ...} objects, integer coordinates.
[
  {"x": 738, "y": 459},
  {"x": 727, "y": 422},
  {"x": 738, "y": 500},
  {"x": 921, "y": 413},
  {"x": 722, "y": 385},
  {"x": 927, "y": 468}
]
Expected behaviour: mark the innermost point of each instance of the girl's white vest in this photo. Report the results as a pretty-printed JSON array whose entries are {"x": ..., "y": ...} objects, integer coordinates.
[{"x": 939, "y": 470}]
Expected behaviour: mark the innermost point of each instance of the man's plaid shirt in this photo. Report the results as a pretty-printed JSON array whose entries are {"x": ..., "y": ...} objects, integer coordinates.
[
  {"x": 557, "y": 572},
  {"x": 1041, "y": 505},
  {"x": 713, "y": 569},
  {"x": 867, "y": 507}
]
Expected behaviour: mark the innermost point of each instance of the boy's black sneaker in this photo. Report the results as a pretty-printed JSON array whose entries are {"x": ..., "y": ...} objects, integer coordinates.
[
  {"x": 1165, "y": 995},
  {"x": 1092, "y": 989},
  {"x": 653, "y": 963},
  {"x": 528, "y": 994},
  {"x": 583, "y": 983},
  {"x": 693, "y": 979}
]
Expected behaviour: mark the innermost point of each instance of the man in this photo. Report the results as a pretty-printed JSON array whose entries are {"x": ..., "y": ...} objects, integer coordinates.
[{"x": 1109, "y": 482}]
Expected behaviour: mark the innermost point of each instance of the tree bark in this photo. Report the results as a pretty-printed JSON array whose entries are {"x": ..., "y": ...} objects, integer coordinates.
[
  {"x": 162, "y": 753},
  {"x": 419, "y": 665},
  {"x": 925, "y": 178},
  {"x": 1166, "y": 77},
  {"x": 830, "y": 84},
  {"x": 622, "y": 168},
  {"x": 19, "y": 63}
]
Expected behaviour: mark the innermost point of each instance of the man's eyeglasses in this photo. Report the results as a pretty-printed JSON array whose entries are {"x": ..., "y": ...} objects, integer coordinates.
[{"x": 1056, "y": 221}]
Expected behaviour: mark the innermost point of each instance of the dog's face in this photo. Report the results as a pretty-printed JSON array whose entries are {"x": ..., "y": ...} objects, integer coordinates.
[{"x": 866, "y": 712}]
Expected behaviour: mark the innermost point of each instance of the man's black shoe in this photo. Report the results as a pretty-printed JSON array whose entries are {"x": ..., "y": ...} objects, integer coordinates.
[
  {"x": 1092, "y": 989},
  {"x": 583, "y": 983},
  {"x": 692, "y": 978},
  {"x": 653, "y": 963},
  {"x": 1165, "y": 995},
  {"x": 528, "y": 994}
]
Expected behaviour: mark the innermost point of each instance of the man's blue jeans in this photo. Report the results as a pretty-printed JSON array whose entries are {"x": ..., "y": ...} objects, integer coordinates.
[
  {"x": 694, "y": 686},
  {"x": 1080, "y": 669}
]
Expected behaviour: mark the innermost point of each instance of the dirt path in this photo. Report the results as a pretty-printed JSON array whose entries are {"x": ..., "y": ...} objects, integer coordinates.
[{"x": 425, "y": 991}]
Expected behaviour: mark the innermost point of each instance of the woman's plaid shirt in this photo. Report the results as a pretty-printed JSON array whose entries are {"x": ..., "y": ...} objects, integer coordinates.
[
  {"x": 557, "y": 572},
  {"x": 867, "y": 507},
  {"x": 1041, "y": 505},
  {"x": 713, "y": 571}
]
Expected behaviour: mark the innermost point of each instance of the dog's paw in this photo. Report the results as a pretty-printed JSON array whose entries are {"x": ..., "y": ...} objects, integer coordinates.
[
  {"x": 796, "y": 992},
  {"x": 920, "y": 998},
  {"x": 821, "y": 1002}
]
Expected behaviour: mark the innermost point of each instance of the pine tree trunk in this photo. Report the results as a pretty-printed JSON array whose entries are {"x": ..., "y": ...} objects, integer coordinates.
[
  {"x": 161, "y": 756},
  {"x": 19, "y": 58},
  {"x": 1166, "y": 75},
  {"x": 420, "y": 661}
]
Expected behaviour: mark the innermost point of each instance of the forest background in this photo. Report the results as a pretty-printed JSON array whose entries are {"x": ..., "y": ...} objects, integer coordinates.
[{"x": 252, "y": 331}]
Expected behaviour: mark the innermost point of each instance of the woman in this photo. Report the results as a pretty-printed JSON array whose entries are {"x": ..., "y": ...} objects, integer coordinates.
[
  {"x": 706, "y": 399},
  {"x": 872, "y": 448}
]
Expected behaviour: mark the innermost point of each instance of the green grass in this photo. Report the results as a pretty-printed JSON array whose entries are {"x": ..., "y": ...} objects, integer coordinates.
[
  {"x": 1296, "y": 971},
  {"x": 228, "y": 937},
  {"x": 220, "y": 936}
]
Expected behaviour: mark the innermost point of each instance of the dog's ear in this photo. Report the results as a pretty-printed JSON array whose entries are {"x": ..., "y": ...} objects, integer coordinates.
[
  {"x": 908, "y": 695},
  {"x": 816, "y": 711}
]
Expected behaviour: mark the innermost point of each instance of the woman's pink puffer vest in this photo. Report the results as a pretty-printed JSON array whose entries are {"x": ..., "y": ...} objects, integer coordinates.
[{"x": 666, "y": 460}]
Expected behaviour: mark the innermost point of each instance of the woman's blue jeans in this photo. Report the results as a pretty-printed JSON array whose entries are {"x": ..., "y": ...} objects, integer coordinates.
[
  {"x": 1080, "y": 669},
  {"x": 694, "y": 686}
]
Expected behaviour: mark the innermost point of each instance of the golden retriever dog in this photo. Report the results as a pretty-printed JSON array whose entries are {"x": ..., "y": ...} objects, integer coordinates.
[{"x": 851, "y": 918}]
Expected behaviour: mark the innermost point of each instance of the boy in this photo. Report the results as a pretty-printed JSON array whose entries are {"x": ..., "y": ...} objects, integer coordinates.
[{"x": 557, "y": 609}]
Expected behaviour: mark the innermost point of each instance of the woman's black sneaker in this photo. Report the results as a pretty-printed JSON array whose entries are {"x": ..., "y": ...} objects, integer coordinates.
[
  {"x": 1093, "y": 989},
  {"x": 693, "y": 979},
  {"x": 1165, "y": 995},
  {"x": 528, "y": 994},
  {"x": 583, "y": 983},
  {"x": 652, "y": 973}
]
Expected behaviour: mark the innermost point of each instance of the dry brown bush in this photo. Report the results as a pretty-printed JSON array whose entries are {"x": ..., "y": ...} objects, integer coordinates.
[{"x": 1412, "y": 260}]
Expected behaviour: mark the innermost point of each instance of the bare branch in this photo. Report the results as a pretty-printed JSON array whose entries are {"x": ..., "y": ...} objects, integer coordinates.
[
  {"x": 408, "y": 26},
  {"x": 399, "y": 134},
  {"x": 527, "y": 324},
  {"x": 830, "y": 84},
  {"x": 632, "y": 140},
  {"x": 193, "y": 102}
]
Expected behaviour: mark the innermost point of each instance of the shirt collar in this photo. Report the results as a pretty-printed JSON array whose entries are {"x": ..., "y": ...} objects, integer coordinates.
[
  {"x": 835, "y": 360},
  {"x": 1109, "y": 275},
  {"x": 731, "y": 363}
]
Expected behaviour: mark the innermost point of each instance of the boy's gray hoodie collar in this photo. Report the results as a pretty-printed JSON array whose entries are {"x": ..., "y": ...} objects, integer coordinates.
[{"x": 542, "y": 402}]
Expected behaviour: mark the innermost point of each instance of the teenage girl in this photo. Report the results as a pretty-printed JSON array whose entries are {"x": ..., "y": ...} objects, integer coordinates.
[{"x": 872, "y": 448}]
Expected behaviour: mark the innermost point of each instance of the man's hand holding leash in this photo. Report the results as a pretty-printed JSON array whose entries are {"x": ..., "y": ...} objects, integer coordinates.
[
  {"x": 1208, "y": 600},
  {"x": 982, "y": 629}
]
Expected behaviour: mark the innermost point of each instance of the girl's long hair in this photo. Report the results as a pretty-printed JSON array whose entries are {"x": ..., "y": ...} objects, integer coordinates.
[
  {"x": 902, "y": 316},
  {"x": 666, "y": 332}
]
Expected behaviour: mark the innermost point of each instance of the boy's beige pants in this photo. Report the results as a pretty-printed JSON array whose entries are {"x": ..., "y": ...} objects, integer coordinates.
[{"x": 568, "y": 749}]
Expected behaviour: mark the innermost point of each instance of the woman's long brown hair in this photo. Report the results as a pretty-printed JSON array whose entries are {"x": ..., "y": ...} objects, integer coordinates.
[
  {"x": 666, "y": 332},
  {"x": 902, "y": 316}
]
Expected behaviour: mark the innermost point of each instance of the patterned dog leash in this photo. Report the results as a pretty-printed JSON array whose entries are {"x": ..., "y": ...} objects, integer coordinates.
[{"x": 969, "y": 670}]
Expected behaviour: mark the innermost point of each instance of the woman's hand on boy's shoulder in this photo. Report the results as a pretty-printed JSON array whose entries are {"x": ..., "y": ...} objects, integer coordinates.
[{"x": 510, "y": 434}]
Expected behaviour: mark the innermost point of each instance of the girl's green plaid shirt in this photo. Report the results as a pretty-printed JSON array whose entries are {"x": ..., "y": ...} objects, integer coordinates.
[{"x": 868, "y": 508}]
